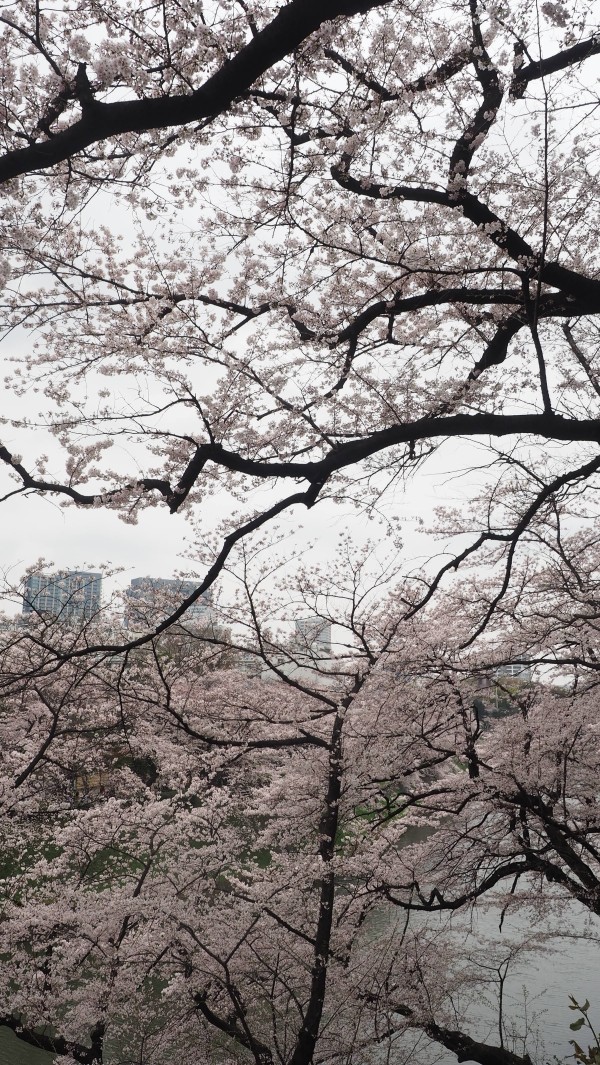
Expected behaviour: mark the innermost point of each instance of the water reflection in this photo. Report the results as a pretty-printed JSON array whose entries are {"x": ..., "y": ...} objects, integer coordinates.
[
  {"x": 14, "y": 1052},
  {"x": 538, "y": 981}
]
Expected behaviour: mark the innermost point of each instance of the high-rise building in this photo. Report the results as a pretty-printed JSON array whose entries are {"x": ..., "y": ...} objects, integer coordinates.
[
  {"x": 71, "y": 595},
  {"x": 312, "y": 637},
  {"x": 149, "y": 600}
]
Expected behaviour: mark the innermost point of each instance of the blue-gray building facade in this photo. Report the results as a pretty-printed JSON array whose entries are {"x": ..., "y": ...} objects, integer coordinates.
[
  {"x": 149, "y": 600},
  {"x": 71, "y": 595}
]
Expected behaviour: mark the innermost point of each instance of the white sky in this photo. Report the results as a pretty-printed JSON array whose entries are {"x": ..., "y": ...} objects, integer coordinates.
[{"x": 161, "y": 544}]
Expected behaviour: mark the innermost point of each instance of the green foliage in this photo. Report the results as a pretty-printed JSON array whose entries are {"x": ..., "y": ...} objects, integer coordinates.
[{"x": 592, "y": 1055}]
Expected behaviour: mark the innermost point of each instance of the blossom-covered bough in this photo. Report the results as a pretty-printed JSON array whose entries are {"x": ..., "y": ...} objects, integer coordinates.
[{"x": 299, "y": 246}]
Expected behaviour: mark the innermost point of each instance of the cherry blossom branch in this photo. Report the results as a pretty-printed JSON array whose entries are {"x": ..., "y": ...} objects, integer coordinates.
[
  {"x": 512, "y": 538},
  {"x": 308, "y": 1034},
  {"x": 468, "y": 1049},
  {"x": 236, "y": 1027},
  {"x": 438, "y": 76},
  {"x": 567, "y": 57},
  {"x": 59, "y": 656},
  {"x": 458, "y": 1042},
  {"x": 581, "y": 358},
  {"x": 488, "y": 223},
  {"x": 291, "y": 26},
  {"x": 340, "y": 456},
  {"x": 481, "y": 123}
]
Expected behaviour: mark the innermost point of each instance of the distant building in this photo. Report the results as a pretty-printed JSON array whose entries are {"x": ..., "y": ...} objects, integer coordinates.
[
  {"x": 71, "y": 595},
  {"x": 251, "y": 664},
  {"x": 90, "y": 787},
  {"x": 149, "y": 600},
  {"x": 498, "y": 693},
  {"x": 312, "y": 637},
  {"x": 520, "y": 671}
]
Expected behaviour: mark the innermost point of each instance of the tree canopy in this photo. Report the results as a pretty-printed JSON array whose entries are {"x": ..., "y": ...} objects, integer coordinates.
[
  {"x": 285, "y": 253},
  {"x": 298, "y": 246}
]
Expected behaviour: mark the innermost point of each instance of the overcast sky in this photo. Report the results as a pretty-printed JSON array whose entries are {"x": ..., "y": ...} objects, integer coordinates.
[{"x": 161, "y": 544}]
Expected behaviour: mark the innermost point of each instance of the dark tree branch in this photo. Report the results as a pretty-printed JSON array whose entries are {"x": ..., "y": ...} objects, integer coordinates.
[
  {"x": 581, "y": 358},
  {"x": 568, "y": 57},
  {"x": 307, "y": 499},
  {"x": 295, "y": 22},
  {"x": 467, "y": 1049},
  {"x": 308, "y": 1034},
  {"x": 488, "y": 222},
  {"x": 91, "y": 1055},
  {"x": 438, "y": 76},
  {"x": 548, "y": 426},
  {"x": 481, "y": 123}
]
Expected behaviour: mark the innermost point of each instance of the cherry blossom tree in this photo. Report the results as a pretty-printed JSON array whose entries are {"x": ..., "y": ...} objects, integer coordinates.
[
  {"x": 229, "y": 881},
  {"x": 301, "y": 248},
  {"x": 312, "y": 240}
]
